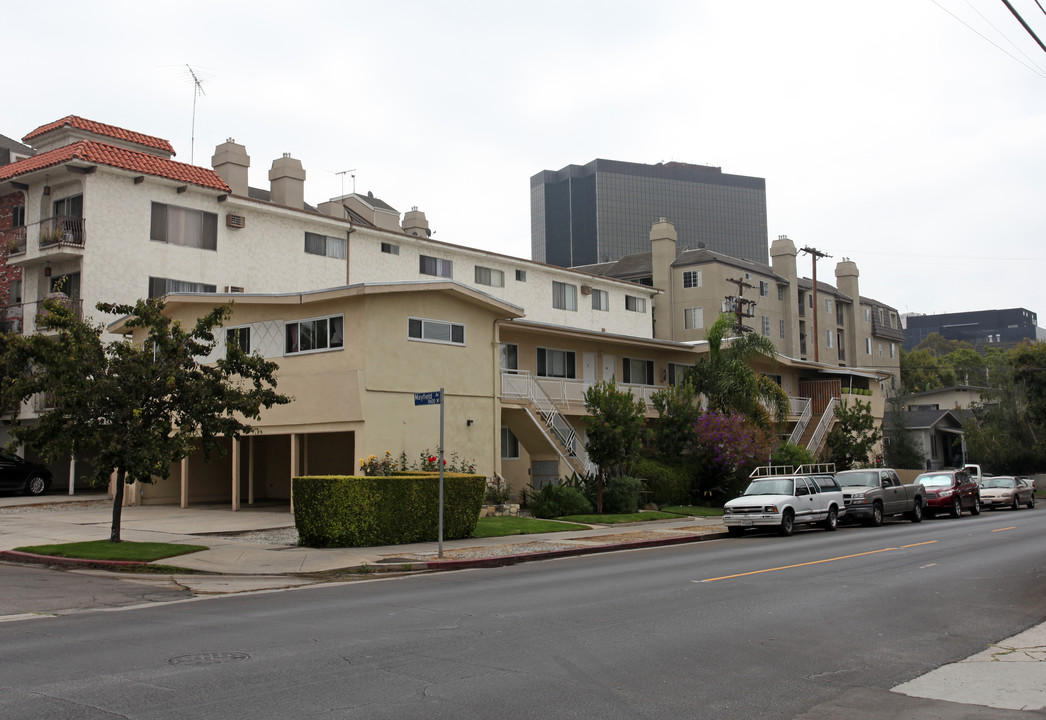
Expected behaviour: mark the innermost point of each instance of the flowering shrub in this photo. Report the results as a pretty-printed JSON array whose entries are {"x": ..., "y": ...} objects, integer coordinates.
[
  {"x": 729, "y": 446},
  {"x": 374, "y": 465}
]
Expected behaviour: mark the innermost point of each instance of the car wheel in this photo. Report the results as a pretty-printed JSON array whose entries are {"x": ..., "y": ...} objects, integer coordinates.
[
  {"x": 35, "y": 485},
  {"x": 735, "y": 531},
  {"x": 1016, "y": 505},
  {"x": 787, "y": 523},
  {"x": 832, "y": 521},
  {"x": 976, "y": 509},
  {"x": 916, "y": 515},
  {"x": 956, "y": 510},
  {"x": 1031, "y": 502},
  {"x": 877, "y": 515}
]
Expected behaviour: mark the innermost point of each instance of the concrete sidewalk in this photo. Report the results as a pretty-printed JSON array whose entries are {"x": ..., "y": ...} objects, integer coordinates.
[{"x": 233, "y": 550}]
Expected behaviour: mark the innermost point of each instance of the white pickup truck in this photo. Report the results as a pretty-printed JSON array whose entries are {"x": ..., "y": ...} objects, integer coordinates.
[{"x": 783, "y": 497}]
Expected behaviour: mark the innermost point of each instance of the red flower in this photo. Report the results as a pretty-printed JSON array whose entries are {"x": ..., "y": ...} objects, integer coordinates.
[{"x": 433, "y": 459}]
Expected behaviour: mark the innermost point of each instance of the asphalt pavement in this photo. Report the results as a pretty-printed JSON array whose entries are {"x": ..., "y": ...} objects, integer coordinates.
[{"x": 1010, "y": 675}]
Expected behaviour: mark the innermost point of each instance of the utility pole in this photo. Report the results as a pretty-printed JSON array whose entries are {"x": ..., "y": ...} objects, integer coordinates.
[
  {"x": 815, "y": 254},
  {"x": 743, "y": 308}
]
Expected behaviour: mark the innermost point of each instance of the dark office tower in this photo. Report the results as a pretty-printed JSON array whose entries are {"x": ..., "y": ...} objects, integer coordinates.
[{"x": 602, "y": 211}]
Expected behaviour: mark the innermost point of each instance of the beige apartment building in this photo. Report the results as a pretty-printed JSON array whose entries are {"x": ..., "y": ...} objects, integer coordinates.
[{"x": 106, "y": 214}]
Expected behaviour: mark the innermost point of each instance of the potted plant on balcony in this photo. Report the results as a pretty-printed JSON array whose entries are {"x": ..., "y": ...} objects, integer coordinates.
[{"x": 51, "y": 235}]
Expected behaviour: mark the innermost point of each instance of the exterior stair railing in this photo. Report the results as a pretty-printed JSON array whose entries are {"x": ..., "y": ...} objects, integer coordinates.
[
  {"x": 822, "y": 427},
  {"x": 523, "y": 385},
  {"x": 804, "y": 417}
]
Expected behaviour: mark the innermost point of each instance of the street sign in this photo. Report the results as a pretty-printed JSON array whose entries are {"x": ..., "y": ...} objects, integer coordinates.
[{"x": 428, "y": 398}]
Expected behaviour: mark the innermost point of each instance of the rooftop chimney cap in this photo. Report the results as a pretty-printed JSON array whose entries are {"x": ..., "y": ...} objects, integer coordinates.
[
  {"x": 286, "y": 155},
  {"x": 229, "y": 139}
]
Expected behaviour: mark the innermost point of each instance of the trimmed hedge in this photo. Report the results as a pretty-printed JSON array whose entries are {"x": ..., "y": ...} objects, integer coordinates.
[{"x": 350, "y": 511}]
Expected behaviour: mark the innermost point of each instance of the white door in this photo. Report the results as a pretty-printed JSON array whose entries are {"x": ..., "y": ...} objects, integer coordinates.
[
  {"x": 588, "y": 368},
  {"x": 609, "y": 367}
]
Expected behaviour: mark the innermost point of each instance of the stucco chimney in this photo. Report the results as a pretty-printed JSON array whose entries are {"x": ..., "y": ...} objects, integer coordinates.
[
  {"x": 663, "y": 240},
  {"x": 287, "y": 182},
  {"x": 414, "y": 223},
  {"x": 230, "y": 161}
]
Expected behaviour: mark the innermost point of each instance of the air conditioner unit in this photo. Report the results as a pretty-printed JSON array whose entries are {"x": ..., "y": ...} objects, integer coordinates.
[
  {"x": 586, "y": 290},
  {"x": 235, "y": 221},
  {"x": 233, "y": 288}
]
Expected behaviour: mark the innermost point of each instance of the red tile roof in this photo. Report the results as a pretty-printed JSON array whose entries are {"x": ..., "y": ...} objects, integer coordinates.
[
  {"x": 98, "y": 128},
  {"x": 133, "y": 160}
]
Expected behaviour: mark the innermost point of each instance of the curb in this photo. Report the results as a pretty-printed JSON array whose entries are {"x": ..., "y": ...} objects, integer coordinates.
[
  {"x": 504, "y": 560},
  {"x": 31, "y": 558}
]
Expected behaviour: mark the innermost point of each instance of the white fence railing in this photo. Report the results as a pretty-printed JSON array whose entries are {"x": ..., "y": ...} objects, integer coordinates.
[
  {"x": 525, "y": 386},
  {"x": 802, "y": 408},
  {"x": 822, "y": 426}
]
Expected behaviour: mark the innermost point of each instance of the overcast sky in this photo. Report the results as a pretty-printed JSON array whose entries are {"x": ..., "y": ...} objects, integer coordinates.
[{"x": 889, "y": 132}]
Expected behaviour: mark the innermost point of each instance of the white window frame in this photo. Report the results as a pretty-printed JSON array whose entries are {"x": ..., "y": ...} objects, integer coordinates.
[
  {"x": 868, "y": 316},
  {"x": 437, "y": 267},
  {"x": 333, "y": 247},
  {"x": 893, "y": 350},
  {"x": 489, "y": 276},
  {"x": 764, "y": 288},
  {"x": 600, "y": 300},
  {"x": 638, "y": 304},
  {"x": 629, "y": 367},
  {"x": 390, "y": 249},
  {"x": 432, "y": 331},
  {"x": 335, "y": 339},
  {"x": 676, "y": 372},
  {"x": 766, "y": 325},
  {"x": 238, "y": 334},
  {"x": 828, "y": 305},
  {"x": 830, "y": 337},
  {"x": 781, "y": 327},
  {"x": 568, "y": 358},
  {"x": 521, "y": 275},
  {"x": 691, "y": 278},
  {"x": 509, "y": 444},
  {"x": 564, "y": 296},
  {"x": 694, "y": 318},
  {"x": 508, "y": 357},
  {"x": 187, "y": 227},
  {"x": 868, "y": 346}
]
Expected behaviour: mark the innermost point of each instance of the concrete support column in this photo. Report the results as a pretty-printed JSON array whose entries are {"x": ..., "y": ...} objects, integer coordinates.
[
  {"x": 184, "y": 502},
  {"x": 235, "y": 455},
  {"x": 250, "y": 470},
  {"x": 72, "y": 473},
  {"x": 294, "y": 466}
]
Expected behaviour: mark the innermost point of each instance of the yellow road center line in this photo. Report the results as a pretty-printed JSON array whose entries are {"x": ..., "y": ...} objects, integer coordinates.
[
  {"x": 813, "y": 562},
  {"x": 789, "y": 567},
  {"x": 1001, "y": 529}
]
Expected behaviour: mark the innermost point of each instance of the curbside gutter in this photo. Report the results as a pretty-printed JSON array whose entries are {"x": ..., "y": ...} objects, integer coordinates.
[{"x": 504, "y": 560}]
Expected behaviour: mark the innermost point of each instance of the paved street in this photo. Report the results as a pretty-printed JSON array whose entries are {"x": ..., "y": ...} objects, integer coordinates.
[{"x": 818, "y": 625}]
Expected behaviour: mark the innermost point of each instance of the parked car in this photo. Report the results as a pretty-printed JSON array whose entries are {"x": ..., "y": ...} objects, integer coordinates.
[
  {"x": 950, "y": 491},
  {"x": 1004, "y": 491},
  {"x": 784, "y": 501},
  {"x": 875, "y": 493},
  {"x": 18, "y": 474}
]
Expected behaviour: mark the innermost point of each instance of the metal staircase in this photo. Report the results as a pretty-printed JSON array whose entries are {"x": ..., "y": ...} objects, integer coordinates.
[{"x": 522, "y": 385}]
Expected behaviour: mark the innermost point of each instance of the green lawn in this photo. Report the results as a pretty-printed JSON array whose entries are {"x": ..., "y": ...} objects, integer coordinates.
[
  {"x": 627, "y": 518},
  {"x": 106, "y": 550},
  {"x": 502, "y": 526},
  {"x": 696, "y": 510}
]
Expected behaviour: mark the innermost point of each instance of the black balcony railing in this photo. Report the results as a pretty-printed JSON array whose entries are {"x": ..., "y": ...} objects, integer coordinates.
[
  {"x": 12, "y": 317},
  {"x": 14, "y": 240},
  {"x": 62, "y": 231}
]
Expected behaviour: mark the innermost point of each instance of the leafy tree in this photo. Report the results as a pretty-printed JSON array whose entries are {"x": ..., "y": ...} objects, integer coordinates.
[
  {"x": 727, "y": 447},
  {"x": 854, "y": 435},
  {"x": 921, "y": 370},
  {"x": 938, "y": 345},
  {"x": 726, "y": 378},
  {"x": 615, "y": 427},
  {"x": 789, "y": 454},
  {"x": 967, "y": 365},
  {"x": 133, "y": 408},
  {"x": 901, "y": 451},
  {"x": 677, "y": 408}
]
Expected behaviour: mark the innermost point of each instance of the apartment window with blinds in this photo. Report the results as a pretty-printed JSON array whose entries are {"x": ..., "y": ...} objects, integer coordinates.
[
  {"x": 239, "y": 337},
  {"x": 509, "y": 445},
  {"x": 564, "y": 296},
  {"x": 489, "y": 276},
  {"x": 521, "y": 276},
  {"x": 780, "y": 292},
  {"x": 557, "y": 363},
  {"x": 829, "y": 336},
  {"x": 315, "y": 334},
  {"x": 332, "y": 247},
  {"x": 867, "y": 346},
  {"x": 635, "y": 304},
  {"x": 436, "y": 266},
  {"x": 183, "y": 226},
  {"x": 637, "y": 372},
  {"x": 764, "y": 288},
  {"x": 691, "y": 278},
  {"x": 766, "y": 325},
  {"x": 600, "y": 300},
  {"x": 390, "y": 249},
  {"x": 509, "y": 356},
  {"x": 693, "y": 318},
  {"x": 158, "y": 287},
  {"x": 437, "y": 331},
  {"x": 781, "y": 327}
]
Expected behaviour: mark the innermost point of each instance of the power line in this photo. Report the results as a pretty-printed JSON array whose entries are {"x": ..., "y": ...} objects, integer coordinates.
[
  {"x": 969, "y": 27},
  {"x": 1025, "y": 25}
]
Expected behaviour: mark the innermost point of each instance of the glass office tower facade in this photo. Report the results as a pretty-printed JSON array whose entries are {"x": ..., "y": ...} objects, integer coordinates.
[{"x": 602, "y": 211}]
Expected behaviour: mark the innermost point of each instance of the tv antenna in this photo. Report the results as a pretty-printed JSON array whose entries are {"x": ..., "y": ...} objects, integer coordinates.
[
  {"x": 343, "y": 173},
  {"x": 197, "y": 91}
]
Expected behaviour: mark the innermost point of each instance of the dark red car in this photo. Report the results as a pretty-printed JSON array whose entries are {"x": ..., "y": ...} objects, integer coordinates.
[{"x": 950, "y": 491}]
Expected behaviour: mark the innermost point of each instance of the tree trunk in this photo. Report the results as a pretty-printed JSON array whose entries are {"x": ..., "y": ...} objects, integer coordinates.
[
  {"x": 121, "y": 475},
  {"x": 599, "y": 496}
]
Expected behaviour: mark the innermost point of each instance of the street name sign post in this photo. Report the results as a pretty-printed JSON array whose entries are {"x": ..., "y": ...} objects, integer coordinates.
[{"x": 436, "y": 398}]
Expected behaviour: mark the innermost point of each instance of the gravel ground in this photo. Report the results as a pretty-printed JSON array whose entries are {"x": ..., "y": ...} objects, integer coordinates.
[{"x": 56, "y": 507}]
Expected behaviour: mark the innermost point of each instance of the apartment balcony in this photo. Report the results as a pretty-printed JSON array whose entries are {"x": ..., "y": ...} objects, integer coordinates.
[
  {"x": 13, "y": 317},
  {"x": 14, "y": 240},
  {"x": 567, "y": 394},
  {"x": 62, "y": 237}
]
